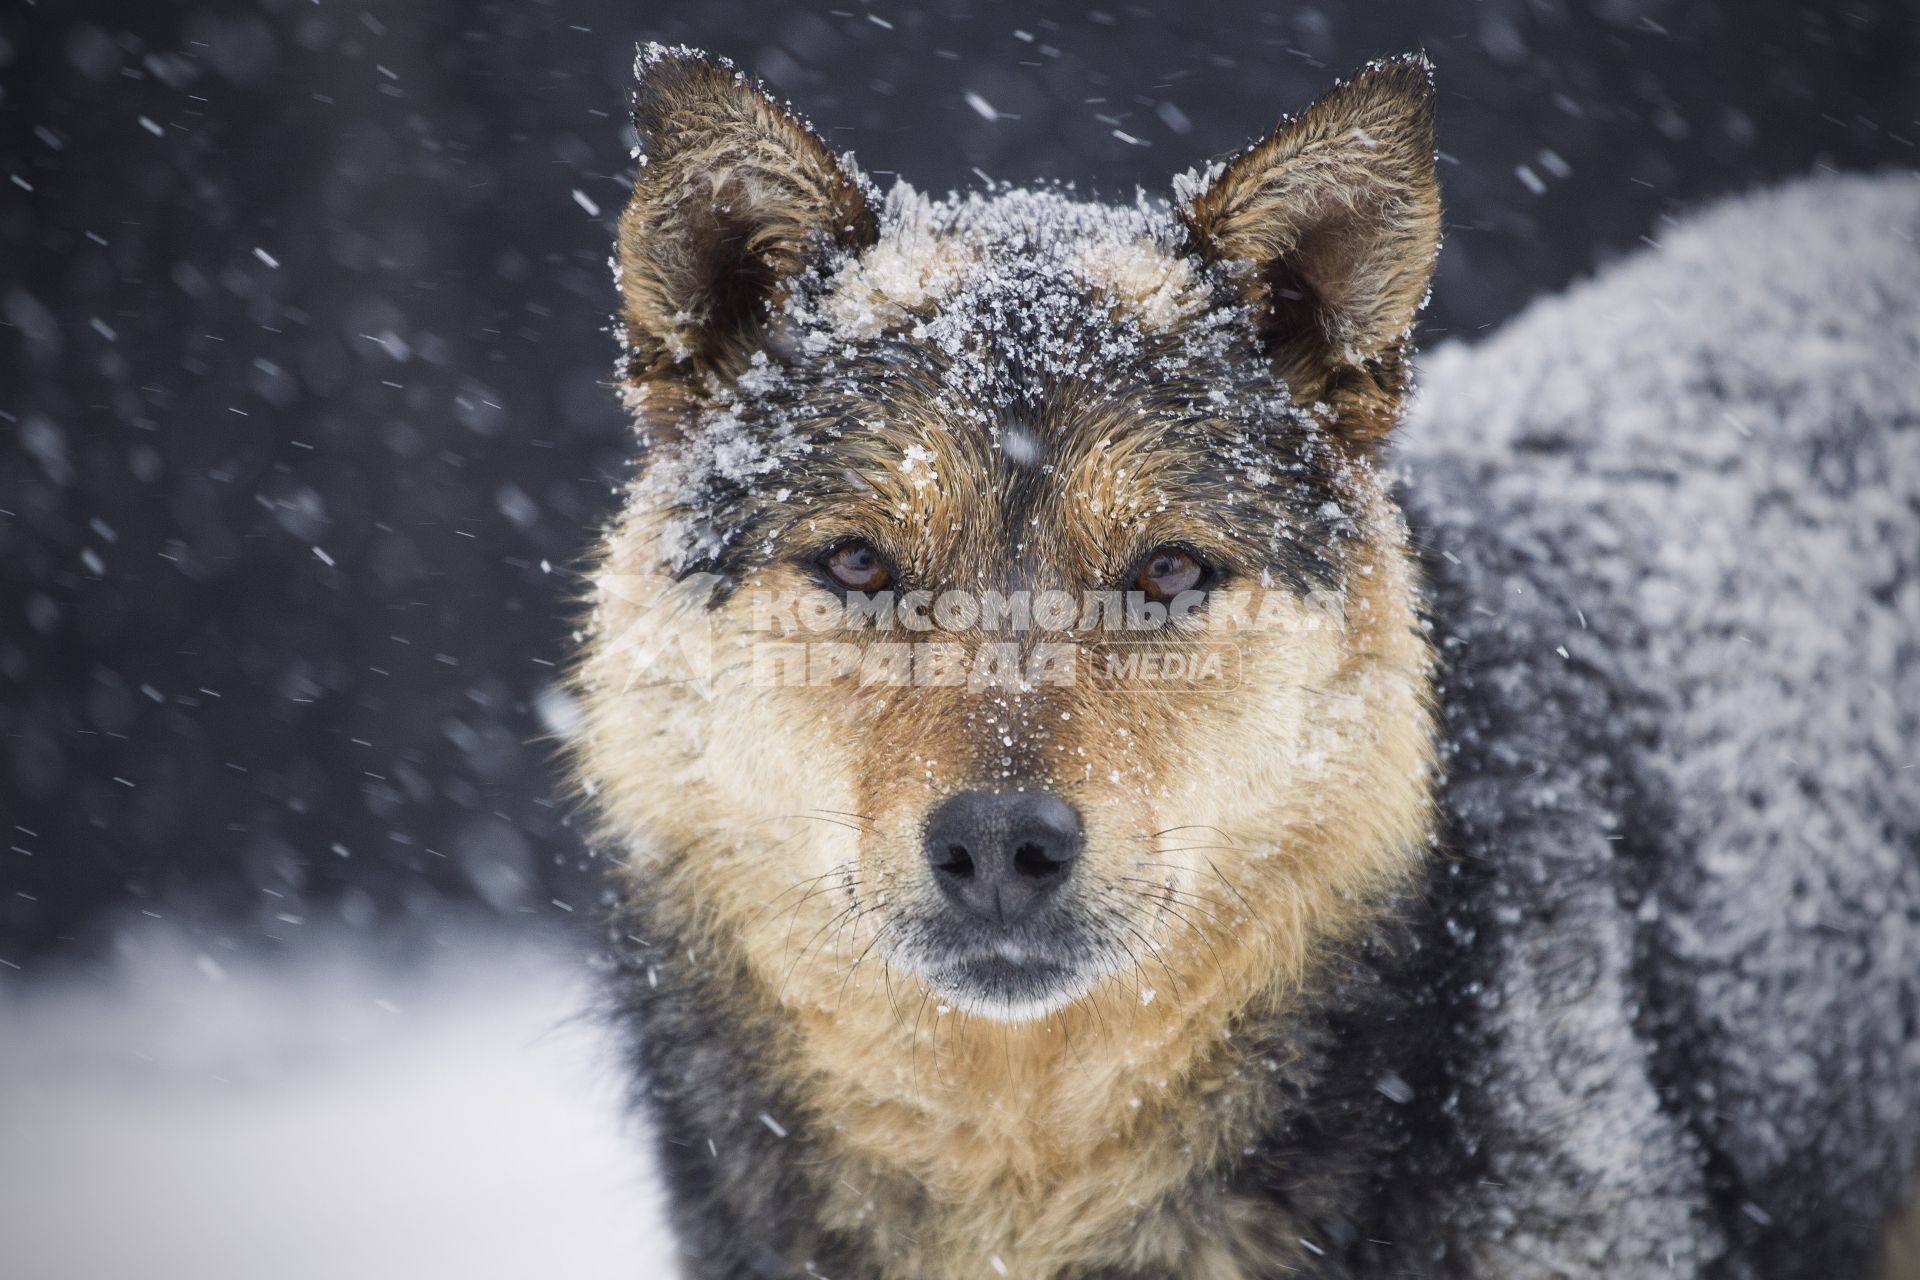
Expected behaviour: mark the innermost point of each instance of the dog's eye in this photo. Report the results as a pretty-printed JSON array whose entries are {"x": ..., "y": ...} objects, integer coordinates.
[
  {"x": 857, "y": 566},
  {"x": 1168, "y": 571}
]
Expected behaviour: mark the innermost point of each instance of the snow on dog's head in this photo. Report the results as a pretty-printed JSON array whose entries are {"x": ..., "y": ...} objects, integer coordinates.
[{"x": 1056, "y": 637}]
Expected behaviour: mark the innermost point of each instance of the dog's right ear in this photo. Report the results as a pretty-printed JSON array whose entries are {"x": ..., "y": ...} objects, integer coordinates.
[{"x": 734, "y": 196}]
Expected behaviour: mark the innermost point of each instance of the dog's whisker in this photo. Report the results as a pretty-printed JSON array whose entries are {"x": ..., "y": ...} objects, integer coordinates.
[
  {"x": 854, "y": 968},
  {"x": 1233, "y": 889},
  {"x": 1133, "y": 925},
  {"x": 1204, "y": 903},
  {"x": 1190, "y": 848},
  {"x": 886, "y": 981},
  {"x": 846, "y": 814},
  {"x": 1173, "y": 908},
  {"x": 821, "y": 817},
  {"x": 793, "y": 919},
  {"x": 780, "y": 993},
  {"x": 1253, "y": 916},
  {"x": 795, "y": 887},
  {"x": 1191, "y": 826},
  {"x": 1154, "y": 955}
]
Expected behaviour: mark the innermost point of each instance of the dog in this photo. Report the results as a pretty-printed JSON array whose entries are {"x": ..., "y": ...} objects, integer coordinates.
[{"x": 1089, "y": 801}]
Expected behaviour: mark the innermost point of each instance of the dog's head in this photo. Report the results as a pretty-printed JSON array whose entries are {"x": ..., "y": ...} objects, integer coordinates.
[{"x": 1007, "y": 601}]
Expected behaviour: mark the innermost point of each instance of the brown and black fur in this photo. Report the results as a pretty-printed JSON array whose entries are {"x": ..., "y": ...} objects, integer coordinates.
[{"x": 1270, "y": 1055}]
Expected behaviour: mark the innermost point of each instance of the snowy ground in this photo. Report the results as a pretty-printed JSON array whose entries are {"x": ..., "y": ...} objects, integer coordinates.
[{"x": 192, "y": 1114}]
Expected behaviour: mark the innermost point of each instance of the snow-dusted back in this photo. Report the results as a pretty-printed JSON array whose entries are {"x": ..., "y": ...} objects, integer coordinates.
[{"x": 1681, "y": 505}]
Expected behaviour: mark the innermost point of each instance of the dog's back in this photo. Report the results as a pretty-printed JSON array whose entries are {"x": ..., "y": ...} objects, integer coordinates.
[{"x": 1673, "y": 520}]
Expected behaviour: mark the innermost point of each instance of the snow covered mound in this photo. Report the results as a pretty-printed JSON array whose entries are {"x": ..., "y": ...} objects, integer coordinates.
[
  {"x": 320, "y": 1116},
  {"x": 1684, "y": 499}
]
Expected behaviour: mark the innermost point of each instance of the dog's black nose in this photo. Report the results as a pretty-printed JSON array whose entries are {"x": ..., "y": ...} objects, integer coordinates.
[{"x": 999, "y": 855}]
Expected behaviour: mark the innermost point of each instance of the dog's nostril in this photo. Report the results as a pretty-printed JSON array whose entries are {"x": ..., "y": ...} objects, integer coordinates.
[
  {"x": 1031, "y": 859},
  {"x": 958, "y": 861}
]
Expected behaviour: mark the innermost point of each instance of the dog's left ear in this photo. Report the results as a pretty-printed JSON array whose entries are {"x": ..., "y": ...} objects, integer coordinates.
[
  {"x": 1329, "y": 229},
  {"x": 735, "y": 195}
]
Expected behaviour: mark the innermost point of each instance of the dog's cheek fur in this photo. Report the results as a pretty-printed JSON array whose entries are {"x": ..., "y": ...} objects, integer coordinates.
[
  {"x": 681, "y": 745},
  {"x": 1312, "y": 804}
]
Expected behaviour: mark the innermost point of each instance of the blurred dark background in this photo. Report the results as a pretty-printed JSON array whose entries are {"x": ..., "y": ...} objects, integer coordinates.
[{"x": 303, "y": 418}]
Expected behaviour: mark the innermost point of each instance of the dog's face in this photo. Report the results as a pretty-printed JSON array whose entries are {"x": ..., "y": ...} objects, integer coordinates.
[{"x": 1007, "y": 606}]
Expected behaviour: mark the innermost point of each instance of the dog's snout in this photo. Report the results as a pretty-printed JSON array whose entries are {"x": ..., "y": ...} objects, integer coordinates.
[{"x": 999, "y": 855}]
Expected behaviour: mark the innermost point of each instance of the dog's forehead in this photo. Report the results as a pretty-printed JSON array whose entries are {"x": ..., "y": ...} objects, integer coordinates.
[
  {"x": 1020, "y": 316},
  {"x": 1053, "y": 273}
]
